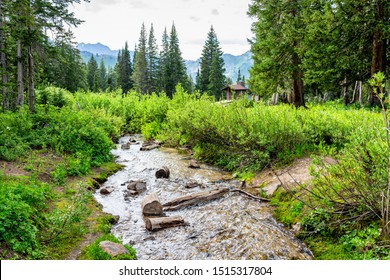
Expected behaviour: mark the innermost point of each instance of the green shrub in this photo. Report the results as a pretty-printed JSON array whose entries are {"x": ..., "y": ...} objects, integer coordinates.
[{"x": 21, "y": 206}]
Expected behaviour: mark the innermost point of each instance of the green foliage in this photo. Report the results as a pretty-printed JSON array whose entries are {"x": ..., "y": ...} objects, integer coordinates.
[
  {"x": 94, "y": 252},
  {"x": 65, "y": 219},
  {"x": 59, "y": 175},
  {"x": 211, "y": 76},
  {"x": 21, "y": 206},
  {"x": 241, "y": 136}
]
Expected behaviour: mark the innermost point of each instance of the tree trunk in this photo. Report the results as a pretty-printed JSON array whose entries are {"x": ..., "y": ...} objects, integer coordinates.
[
  {"x": 163, "y": 172},
  {"x": 297, "y": 97},
  {"x": 360, "y": 93},
  {"x": 153, "y": 224},
  {"x": 20, "y": 97},
  {"x": 3, "y": 63},
  {"x": 379, "y": 43},
  {"x": 31, "y": 89},
  {"x": 192, "y": 199},
  {"x": 345, "y": 93},
  {"x": 151, "y": 206},
  {"x": 355, "y": 95}
]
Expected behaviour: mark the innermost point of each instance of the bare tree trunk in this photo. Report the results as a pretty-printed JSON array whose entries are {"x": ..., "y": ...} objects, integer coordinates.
[
  {"x": 297, "y": 92},
  {"x": 3, "y": 62},
  {"x": 345, "y": 92},
  {"x": 31, "y": 89},
  {"x": 297, "y": 75},
  {"x": 360, "y": 93},
  {"x": 20, "y": 97},
  {"x": 378, "y": 62},
  {"x": 355, "y": 91}
]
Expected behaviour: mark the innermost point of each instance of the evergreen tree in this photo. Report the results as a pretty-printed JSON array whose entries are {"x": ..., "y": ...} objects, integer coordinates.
[
  {"x": 211, "y": 77},
  {"x": 124, "y": 70},
  {"x": 24, "y": 42},
  {"x": 92, "y": 71},
  {"x": 239, "y": 79},
  {"x": 163, "y": 63},
  {"x": 140, "y": 73},
  {"x": 153, "y": 70},
  {"x": 112, "y": 79},
  {"x": 102, "y": 76},
  {"x": 176, "y": 69},
  {"x": 279, "y": 32},
  {"x": 64, "y": 67}
]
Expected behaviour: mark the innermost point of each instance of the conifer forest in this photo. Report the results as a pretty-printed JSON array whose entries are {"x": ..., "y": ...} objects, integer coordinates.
[{"x": 317, "y": 93}]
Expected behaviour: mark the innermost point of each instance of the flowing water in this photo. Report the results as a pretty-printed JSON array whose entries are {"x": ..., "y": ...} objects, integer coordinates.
[{"x": 232, "y": 227}]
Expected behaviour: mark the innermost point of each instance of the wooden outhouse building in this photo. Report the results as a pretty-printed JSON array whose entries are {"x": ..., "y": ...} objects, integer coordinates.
[{"x": 237, "y": 90}]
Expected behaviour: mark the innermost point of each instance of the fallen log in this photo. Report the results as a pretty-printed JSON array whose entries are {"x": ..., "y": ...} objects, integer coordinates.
[
  {"x": 258, "y": 198},
  {"x": 151, "y": 205},
  {"x": 163, "y": 172},
  {"x": 157, "y": 223},
  {"x": 150, "y": 147},
  {"x": 193, "y": 199}
]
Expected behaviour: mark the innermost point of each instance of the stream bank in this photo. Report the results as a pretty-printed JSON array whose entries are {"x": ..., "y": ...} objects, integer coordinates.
[{"x": 232, "y": 227}]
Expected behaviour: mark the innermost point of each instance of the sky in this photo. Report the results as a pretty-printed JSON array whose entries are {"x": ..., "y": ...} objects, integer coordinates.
[{"x": 113, "y": 22}]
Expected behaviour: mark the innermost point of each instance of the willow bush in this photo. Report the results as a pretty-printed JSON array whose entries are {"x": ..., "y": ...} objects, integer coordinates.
[{"x": 244, "y": 134}]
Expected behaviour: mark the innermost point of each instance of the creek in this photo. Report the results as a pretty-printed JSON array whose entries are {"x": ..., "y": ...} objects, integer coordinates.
[{"x": 232, "y": 227}]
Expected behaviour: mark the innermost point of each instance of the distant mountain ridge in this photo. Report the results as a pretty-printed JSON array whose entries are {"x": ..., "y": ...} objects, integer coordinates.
[{"x": 233, "y": 63}]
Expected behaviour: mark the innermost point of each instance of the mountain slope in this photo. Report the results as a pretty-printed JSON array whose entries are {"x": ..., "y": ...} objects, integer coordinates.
[{"x": 232, "y": 63}]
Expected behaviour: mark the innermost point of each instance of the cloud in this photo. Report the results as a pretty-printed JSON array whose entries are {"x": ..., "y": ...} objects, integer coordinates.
[
  {"x": 194, "y": 18},
  {"x": 215, "y": 12},
  {"x": 99, "y": 5},
  {"x": 138, "y": 4},
  {"x": 199, "y": 41}
]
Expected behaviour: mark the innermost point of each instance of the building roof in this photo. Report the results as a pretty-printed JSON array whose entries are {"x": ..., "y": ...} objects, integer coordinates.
[{"x": 237, "y": 87}]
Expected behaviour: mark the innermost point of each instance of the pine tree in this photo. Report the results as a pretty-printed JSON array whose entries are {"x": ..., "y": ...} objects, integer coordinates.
[
  {"x": 153, "y": 61},
  {"x": 176, "y": 69},
  {"x": 124, "y": 70},
  {"x": 211, "y": 77},
  {"x": 140, "y": 73},
  {"x": 92, "y": 70},
  {"x": 112, "y": 79},
  {"x": 163, "y": 63},
  {"x": 279, "y": 32},
  {"x": 239, "y": 79},
  {"x": 102, "y": 76}
]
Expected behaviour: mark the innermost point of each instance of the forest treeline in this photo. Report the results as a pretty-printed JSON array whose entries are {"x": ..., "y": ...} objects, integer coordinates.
[
  {"x": 36, "y": 49},
  {"x": 154, "y": 70},
  {"x": 318, "y": 47}
]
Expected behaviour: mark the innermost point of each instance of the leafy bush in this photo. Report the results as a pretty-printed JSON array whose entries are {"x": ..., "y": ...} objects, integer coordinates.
[{"x": 21, "y": 206}]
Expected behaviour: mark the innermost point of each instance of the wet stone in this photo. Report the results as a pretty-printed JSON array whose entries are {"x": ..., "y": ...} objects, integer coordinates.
[
  {"x": 113, "y": 249},
  {"x": 107, "y": 190}
]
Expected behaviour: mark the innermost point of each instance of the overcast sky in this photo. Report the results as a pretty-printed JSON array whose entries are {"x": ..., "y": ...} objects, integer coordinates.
[{"x": 113, "y": 22}]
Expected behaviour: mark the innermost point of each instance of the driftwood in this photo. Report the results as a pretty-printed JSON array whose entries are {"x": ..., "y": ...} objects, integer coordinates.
[
  {"x": 193, "y": 199},
  {"x": 259, "y": 198},
  {"x": 193, "y": 164},
  {"x": 151, "y": 205},
  {"x": 150, "y": 147},
  {"x": 163, "y": 172},
  {"x": 157, "y": 223}
]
